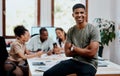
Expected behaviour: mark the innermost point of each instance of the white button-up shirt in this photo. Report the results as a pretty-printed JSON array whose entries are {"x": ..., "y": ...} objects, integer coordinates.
[{"x": 35, "y": 43}]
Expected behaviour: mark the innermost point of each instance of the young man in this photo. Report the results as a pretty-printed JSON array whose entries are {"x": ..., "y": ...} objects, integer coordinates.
[{"x": 82, "y": 44}]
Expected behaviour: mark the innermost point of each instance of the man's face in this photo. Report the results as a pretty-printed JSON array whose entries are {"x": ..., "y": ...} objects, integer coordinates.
[
  {"x": 44, "y": 35},
  {"x": 79, "y": 15}
]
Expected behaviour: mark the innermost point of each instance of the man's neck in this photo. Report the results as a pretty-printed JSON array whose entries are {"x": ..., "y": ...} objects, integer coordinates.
[
  {"x": 81, "y": 26},
  {"x": 42, "y": 40}
]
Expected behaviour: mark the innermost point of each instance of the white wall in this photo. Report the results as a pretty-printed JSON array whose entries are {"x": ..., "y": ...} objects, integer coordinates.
[
  {"x": 115, "y": 54},
  {"x": 100, "y": 9},
  {"x": 107, "y": 9}
]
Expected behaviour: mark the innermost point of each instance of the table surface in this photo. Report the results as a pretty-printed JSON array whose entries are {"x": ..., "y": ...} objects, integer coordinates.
[{"x": 36, "y": 65}]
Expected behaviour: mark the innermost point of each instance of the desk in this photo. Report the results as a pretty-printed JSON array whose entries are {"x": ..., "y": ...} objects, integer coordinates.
[
  {"x": 49, "y": 60},
  {"x": 111, "y": 70}
]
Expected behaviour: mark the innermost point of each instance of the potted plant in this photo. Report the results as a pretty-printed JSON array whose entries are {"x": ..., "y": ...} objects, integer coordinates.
[{"x": 107, "y": 32}]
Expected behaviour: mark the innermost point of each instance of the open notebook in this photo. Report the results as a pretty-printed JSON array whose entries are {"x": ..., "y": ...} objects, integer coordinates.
[{"x": 43, "y": 66}]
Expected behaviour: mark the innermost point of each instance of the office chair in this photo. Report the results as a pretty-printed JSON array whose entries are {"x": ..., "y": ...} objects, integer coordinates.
[{"x": 3, "y": 58}]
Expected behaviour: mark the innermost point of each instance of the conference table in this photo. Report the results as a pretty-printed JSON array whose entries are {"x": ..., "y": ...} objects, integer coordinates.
[{"x": 38, "y": 65}]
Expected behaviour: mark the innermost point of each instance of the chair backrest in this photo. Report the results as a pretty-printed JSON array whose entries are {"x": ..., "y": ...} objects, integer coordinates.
[
  {"x": 3, "y": 55},
  {"x": 3, "y": 50}
]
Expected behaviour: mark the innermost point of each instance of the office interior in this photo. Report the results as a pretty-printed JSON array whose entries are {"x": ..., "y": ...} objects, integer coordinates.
[{"x": 106, "y": 9}]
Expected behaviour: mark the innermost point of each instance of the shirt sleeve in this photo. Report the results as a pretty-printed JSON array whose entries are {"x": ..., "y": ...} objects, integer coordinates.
[
  {"x": 18, "y": 48},
  {"x": 51, "y": 44},
  {"x": 69, "y": 36},
  {"x": 95, "y": 34}
]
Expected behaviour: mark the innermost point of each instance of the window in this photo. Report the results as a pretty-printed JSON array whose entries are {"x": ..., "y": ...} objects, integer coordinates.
[
  {"x": 27, "y": 12},
  {"x": 63, "y": 13},
  {"x": 19, "y": 12}
]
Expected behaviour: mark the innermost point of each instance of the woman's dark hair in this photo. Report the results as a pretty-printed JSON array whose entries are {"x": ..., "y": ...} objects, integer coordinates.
[
  {"x": 60, "y": 40},
  {"x": 19, "y": 30},
  {"x": 79, "y": 5}
]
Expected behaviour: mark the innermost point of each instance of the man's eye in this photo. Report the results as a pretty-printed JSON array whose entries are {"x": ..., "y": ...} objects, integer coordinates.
[{"x": 81, "y": 12}]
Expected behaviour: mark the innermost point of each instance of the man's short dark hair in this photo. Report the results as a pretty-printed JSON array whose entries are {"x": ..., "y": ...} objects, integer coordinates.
[
  {"x": 19, "y": 30},
  {"x": 42, "y": 29},
  {"x": 79, "y": 5}
]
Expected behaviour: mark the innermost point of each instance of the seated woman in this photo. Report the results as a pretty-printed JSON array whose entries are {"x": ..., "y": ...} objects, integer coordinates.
[
  {"x": 18, "y": 52},
  {"x": 61, "y": 38}
]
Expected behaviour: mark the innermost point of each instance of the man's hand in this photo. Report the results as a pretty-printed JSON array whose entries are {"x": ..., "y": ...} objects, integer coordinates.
[
  {"x": 39, "y": 53},
  {"x": 50, "y": 52}
]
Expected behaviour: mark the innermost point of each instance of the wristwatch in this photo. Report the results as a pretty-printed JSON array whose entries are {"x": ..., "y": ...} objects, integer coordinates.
[{"x": 72, "y": 48}]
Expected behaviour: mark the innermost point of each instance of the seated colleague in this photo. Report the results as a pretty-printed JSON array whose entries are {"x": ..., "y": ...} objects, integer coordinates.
[
  {"x": 18, "y": 52},
  {"x": 41, "y": 42},
  {"x": 61, "y": 39}
]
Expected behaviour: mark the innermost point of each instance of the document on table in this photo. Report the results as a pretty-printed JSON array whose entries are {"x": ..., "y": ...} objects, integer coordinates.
[{"x": 43, "y": 66}]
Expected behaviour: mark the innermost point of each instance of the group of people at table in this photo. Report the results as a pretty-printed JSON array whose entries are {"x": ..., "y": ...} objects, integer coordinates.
[
  {"x": 36, "y": 46},
  {"x": 81, "y": 42},
  {"x": 43, "y": 42}
]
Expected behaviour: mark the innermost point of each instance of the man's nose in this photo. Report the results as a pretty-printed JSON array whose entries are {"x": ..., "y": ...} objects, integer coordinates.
[{"x": 79, "y": 14}]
